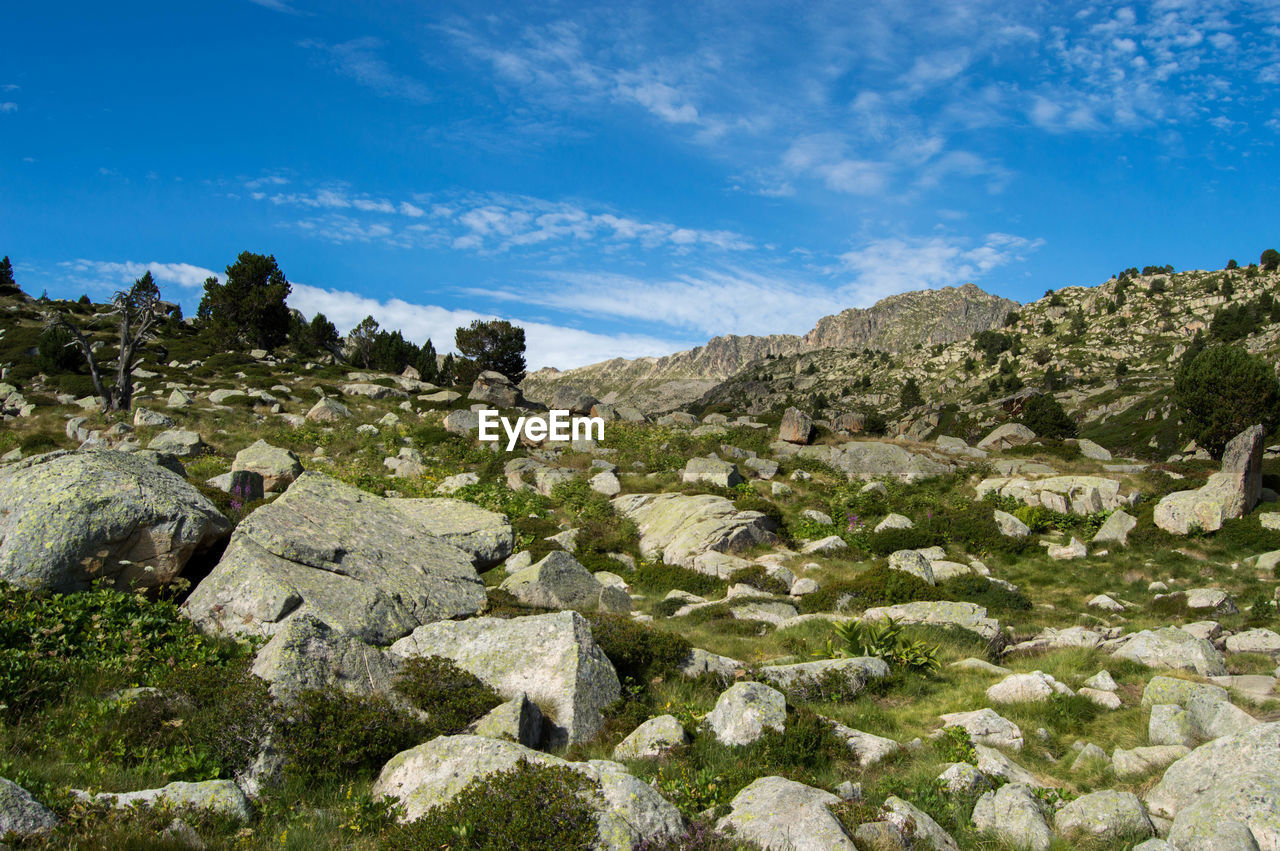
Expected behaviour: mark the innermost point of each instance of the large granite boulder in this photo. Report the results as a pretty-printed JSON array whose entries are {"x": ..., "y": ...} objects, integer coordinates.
[
  {"x": 1230, "y": 493},
  {"x": 178, "y": 442},
  {"x": 223, "y": 797},
  {"x": 1171, "y": 647},
  {"x": 652, "y": 738},
  {"x": 968, "y": 616},
  {"x": 680, "y": 528},
  {"x": 1006, "y": 436},
  {"x": 855, "y": 673},
  {"x": 552, "y": 658},
  {"x": 494, "y": 388},
  {"x": 862, "y": 460},
  {"x": 744, "y": 711},
  {"x": 628, "y": 811},
  {"x": 776, "y": 813},
  {"x": 484, "y": 535},
  {"x": 1232, "y": 778},
  {"x": 1013, "y": 814},
  {"x": 68, "y": 519},
  {"x": 328, "y": 410},
  {"x": 712, "y": 471},
  {"x": 307, "y": 653},
  {"x": 1106, "y": 815},
  {"x": 278, "y": 467},
  {"x": 20, "y": 813},
  {"x": 560, "y": 582},
  {"x": 796, "y": 427},
  {"x": 987, "y": 727},
  {"x": 353, "y": 560}
]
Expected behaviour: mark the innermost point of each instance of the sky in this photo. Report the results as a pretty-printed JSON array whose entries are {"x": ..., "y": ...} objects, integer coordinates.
[{"x": 631, "y": 179}]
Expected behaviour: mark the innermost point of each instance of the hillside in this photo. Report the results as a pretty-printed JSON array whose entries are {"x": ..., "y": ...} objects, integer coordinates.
[
  {"x": 893, "y": 324},
  {"x": 737, "y": 630}
]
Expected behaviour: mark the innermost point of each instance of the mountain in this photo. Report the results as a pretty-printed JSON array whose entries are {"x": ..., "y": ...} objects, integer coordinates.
[{"x": 893, "y": 324}]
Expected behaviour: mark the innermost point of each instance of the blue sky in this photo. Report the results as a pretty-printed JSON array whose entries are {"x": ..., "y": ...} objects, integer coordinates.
[{"x": 633, "y": 179}]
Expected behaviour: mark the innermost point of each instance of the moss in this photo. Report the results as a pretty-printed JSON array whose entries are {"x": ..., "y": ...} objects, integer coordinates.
[
  {"x": 333, "y": 735},
  {"x": 638, "y": 652},
  {"x": 451, "y": 697}
]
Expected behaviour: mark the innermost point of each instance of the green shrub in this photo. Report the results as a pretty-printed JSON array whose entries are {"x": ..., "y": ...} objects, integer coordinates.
[
  {"x": 612, "y": 534},
  {"x": 878, "y": 585},
  {"x": 1044, "y": 415},
  {"x": 1224, "y": 390},
  {"x": 659, "y": 578},
  {"x": 757, "y": 577},
  {"x": 57, "y": 352},
  {"x": 884, "y": 640},
  {"x": 49, "y": 642},
  {"x": 918, "y": 537},
  {"x": 451, "y": 697},
  {"x": 638, "y": 652},
  {"x": 34, "y": 444},
  {"x": 333, "y": 735},
  {"x": 978, "y": 589},
  {"x": 526, "y": 808},
  {"x": 74, "y": 384}
]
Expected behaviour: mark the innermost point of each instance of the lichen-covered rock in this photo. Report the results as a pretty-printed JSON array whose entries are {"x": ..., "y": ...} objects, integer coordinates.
[
  {"x": 961, "y": 778},
  {"x": 1010, "y": 526},
  {"x": 782, "y": 815},
  {"x": 1231, "y": 493},
  {"x": 307, "y": 653},
  {"x": 680, "y": 528},
  {"x": 178, "y": 442},
  {"x": 1249, "y": 797},
  {"x": 552, "y": 658},
  {"x": 1116, "y": 529},
  {"x": 744, "y": 711},
  {"x": 1013, "y": 814},
  {"x": 486, "y": 536},
  {"x": 1171, "y": 647},
  {"x": 495, "y": 389},
  {"x": 1034, "y": 687},
  {"x": 968, "y": 616},
  {"x": 855, "y": 673},
  {"x": 712, "y": 471},
  {"x": 353, "y": 560},
  {"x": 154, "y": 419},
  {"x": 924, "y": 831},
  {"x": 910, "y": 561},
  {"x": 220, "y": 796},
  {"x": 278, "y": 467},
  {"x": 1108, "y": 815},
  {"x": 560, "y": 582},
  {"x": 652, "y": 738},
  {"x": 628, "y": 811},
  {"x": 987, "y": 727},
  {"x": 867, "y": 749},
  {"x": 328, "y": 411},
  {"x": 68, "y": 519},
  {"x": 22, "y": 814},
  {"x": 1191, "y": 777},
  {"x": 868, "y": 460},
  {"x": 1006, "y": 436},
  {"x": 517, "y": 720},
  {"x": 1170, "y": 725},
  {"x": 1141, "y": 760}
]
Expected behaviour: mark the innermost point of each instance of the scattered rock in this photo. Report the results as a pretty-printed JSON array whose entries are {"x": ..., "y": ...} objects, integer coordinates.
[
  {"x": 22, "y": 814},
  {"x": 278, "y": 467},
  {"x": 1109, "y": 815},
  {"x": 652, "y": 738},
  {"x": 1010, "y": 526},
  {"x": 1171, "y": 647},
  {"x": 179, "y": 443},
  {"x": 328, "y": 411},
  {"x": 1231, "y": 493},
  {"x": 911, "y": 561},
  {"x": 713, "y": 471},
  {"x": 776, "y": 813},
  {"x": 1116, "y": 529},
  {"x": 987, "y": 727},
  {"x": 1013, "y": 814},
  {"x": 682, "y": 527},
  {"x": 968, "y": 616},
  {"x": 744, "y": 711},
  {"x": 1006, "y": 436},
  {"x": 560, "y": 582},
  {"x": 796, "y": 427}
]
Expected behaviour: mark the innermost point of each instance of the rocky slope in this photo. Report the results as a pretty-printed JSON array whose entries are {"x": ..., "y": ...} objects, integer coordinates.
[{"x": 892, "y": 324}]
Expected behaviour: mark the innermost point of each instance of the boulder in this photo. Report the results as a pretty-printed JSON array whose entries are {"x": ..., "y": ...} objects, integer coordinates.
[
  {"x": 464, "y": 423},
  {"x": 825, "y": 546},
  {"x": 151, "y": 419},
  {"x": 910, "y": 561},
  {"x": 628, "y": 812},
  {"x": 1230, "y": 493},
  {"x": 306, "y": 653},
  {"x": 1230, "y": 778},
  {"x": 1107, "y": 815},
  {"x": 680, "y": 528},
  {"x": 1010, "y": 526},
  {"x": 179, "y": 398},
  {"x": 1005, "y": 436},
  {"x": 517, "y": 720},
  {"x": 711, "y": 470},
  {"x": 566, "y": 398},
  {"x": 179, "y": 443},
  {"x": 328, "y": 411},
  {"x": 867, "y": 749},
  {"x": 1116, "y": 529},
  {"x": 763, "y": 468},
  {"x": 1255, "y": 641},
  {"x": 796, "y": 427},
  {"x": 777, "y": 814},
  {"x": 1034, "y": 687},
  {"x": 560, "y": 582},
  {"x": 221, "y": 397},
  {"x": 552, "y": 658},
  {"x": 987, "y": 727},
  {"x": 968, "y": 616},
  {"x": 1170, "y": 725},
  {"x": 354, "y": 560},
  {"x": 744, "y": 711},
  {"x": 21, "y": 814},
  {"x": 1069, "y": 551},
  {"x": 218, "y": 796},
  {"x": 1089, "y": 449},
  {"x": 370, "y": 391},
  {"x": 494, "y": 388},
  {"x": 440, "y": 397},
  {"x": 894, "y": 521},
  {"x": 605, "y": 482},
  {"x": 68, "y": 519},
  {"x": 486, "y": 536},
  {"x": 652, "y": 738},
  {"x": 278, "y": 467},
  {"x": 1142, "y": 760},
  {"x": 1013, "y": 814},
  {"x": 869, "y": 460},
  {"x": 1171, "y": 647},
  {"x": 923, "y": 831},
  {"x": 855, "y": 673}
]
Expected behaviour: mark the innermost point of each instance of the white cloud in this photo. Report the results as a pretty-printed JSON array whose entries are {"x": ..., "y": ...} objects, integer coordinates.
[
  {"x": 115, "y": 275},
  {"x": 8, "y": 106},
  {"x": 546, "y": 345},
  {"x": 895, "y": 265},
  {"x": 276, "y": 6},
  {"x": 358, "y": 59}
]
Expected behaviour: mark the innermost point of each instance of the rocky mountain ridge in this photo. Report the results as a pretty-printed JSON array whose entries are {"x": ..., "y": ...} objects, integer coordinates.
[{"x": 891, "y": 324}]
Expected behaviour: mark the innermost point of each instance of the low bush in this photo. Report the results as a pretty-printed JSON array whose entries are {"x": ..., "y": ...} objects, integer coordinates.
[
  {"x": 659, "y": 578},
  {"x": 35, "y": 444},
  {"x": 638, "y": 652},
  {"x": 451, "y": 697},
  {"x": 526, "y": 808},
  {"x": 332, "y": 735},
  {"x": 757, "y": 577},
  {"x": 978, "y": 589},
  {"x": 878, "y": 585}
]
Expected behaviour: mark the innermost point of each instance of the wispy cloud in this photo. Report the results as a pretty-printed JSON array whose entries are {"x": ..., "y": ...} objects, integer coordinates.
[
  {"x": 358, "y": 60},
  {"x": 111, "y": 275},
  {"x": 277, "y": 6},
  {"x": 547, "y": 344},
  {"x": 8, "y": 106},
  {"x": 898, "y": 264}
]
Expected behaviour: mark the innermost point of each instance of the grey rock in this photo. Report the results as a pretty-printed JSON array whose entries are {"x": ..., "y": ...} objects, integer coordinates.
[
  {"x": 464, "y": 423},
  {"x": 866, "y": 460},
  {"x": 1170, "y": 725},
  {"x": 560, "y": 582},
  {"x": 825, "y": 546},
  {"x": 782, "y": 815},
  {"x": 924, "y": 831},
  {"x": 1231, "y": 493},
  {"x": 1010, "y": 526},
  {"x": 143, "y": 417},
  {"x": 1108, "y": 815},
  {"x": 178, "y": 442},
  {"x": 219, "y": 796},
  {"x": 605, "y": 482},
  {"x": 1142, "y": 760},
  {"x": 856, "y": 673},
  {"x": 713, "y": 471},
  {"x": 796, "y": 427},
  {"x": 1091, "y": 450},
  {"x": 762, "y": 467},
  {"x": 700, "y": 662},
  {"x": 910, "y": 561},
  {"x": 1234, "y": 812},
  {"x": 552, "y": 658},
  {"x": 306, "y": 653},
  {"x": 1013, "y": 814},
  {"x": 495, "y": 389},
  {"x": 68, "y": 519},
  {"x": 1116, "y": 529},
  {"x": 744, "y": 711},
  {"x": 652, "y": 738},
  {"x": 356, "y": 561},
  {"x": 894, "y": 521},
  {"x": 328, "y": 411},
  {"x": 961, "y": 778},
  {"x": 278, "y": 467},
  {"x": 517, "y": 720},
  {"x": 968, "y": 616},
  {"x": 680, "y": 527},
  {"x": 988, "y": 727},
  {"x": 22, "y": 814},
  {"x": 486, "y": 536},
  {"x": 1006, "y": 436},
  {"x": 1170, "y": 647}
]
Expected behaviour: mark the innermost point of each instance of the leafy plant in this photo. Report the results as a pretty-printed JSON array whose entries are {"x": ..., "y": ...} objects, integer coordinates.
[{"x": 884, "y": 640}]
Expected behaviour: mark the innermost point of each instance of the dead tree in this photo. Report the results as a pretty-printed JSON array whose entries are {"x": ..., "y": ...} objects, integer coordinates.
[{"x": 138, "y": 311}]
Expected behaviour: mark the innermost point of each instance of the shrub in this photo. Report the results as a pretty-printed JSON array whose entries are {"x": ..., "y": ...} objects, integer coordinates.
[
  {"x": 638, "y": 652},
  {"x": 451, "y": 697},
  {"x": 760, "y": 579},
  {"x": 57, "y": 352},
  {"x": 984, "y": 592},
  {"x": 878, "y": 585},
  {"x": 34, "y": 444},
  {"x": 889, "y": 541},
  {"x": 334, "y": 735},
  {"x": 659, "y": 578},
  {"x": 526, "y": 808},
  {"x": 884, "y": 640},
  {"x": 1224, "y": 390},
  {"x": 1044, "y": 415}
]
